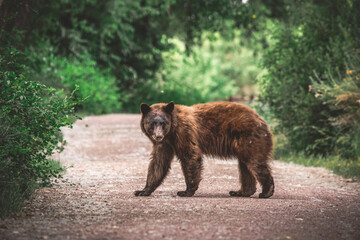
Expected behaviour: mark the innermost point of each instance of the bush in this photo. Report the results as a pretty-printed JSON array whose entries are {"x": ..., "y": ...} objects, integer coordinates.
[
  {"x": 317, "y": 41},
  {"x": 95, "y": 85},
  {"x": 31, "y": 115},
  {"x": 341, "y": 93}
]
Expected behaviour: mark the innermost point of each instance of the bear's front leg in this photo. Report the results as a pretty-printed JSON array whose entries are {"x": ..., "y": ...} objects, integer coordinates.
[
  {"x": 158, "y": 168},
  {"x": 192, "y": 169}
]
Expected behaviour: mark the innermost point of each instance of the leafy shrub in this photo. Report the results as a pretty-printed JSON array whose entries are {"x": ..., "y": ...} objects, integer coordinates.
[
  {"x": 95, "y": 85},
  {"x": 31, "y": 115},
  {"x": 317, "y": 41},
  {"x": 341, "y": 93}
]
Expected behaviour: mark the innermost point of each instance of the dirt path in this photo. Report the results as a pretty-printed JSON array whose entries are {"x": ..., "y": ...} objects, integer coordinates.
[{"x": 110, "y": 155}]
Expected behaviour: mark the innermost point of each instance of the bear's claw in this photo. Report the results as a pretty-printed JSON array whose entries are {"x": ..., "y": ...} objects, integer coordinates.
[
  {"x": 142, "y": 193},
  {"x": 185, "y": 193}
]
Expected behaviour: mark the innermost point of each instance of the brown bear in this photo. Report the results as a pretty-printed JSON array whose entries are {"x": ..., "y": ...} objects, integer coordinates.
[{"x": 219, "y": 129}]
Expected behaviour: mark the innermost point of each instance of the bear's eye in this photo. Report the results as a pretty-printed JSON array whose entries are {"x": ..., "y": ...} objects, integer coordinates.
[{"x": 151, "y": 125}]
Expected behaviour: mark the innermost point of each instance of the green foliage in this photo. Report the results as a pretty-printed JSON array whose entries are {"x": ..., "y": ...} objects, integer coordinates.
[
  {"x": 97, "y": 86},
  {"x": 189, "y": 19},
  {"x": 200, "y": 77},
  {"x": 235, "y": 60},
  {"x": 31, "y": 115},
  {"x": 123, "y": 37},
  {"x": 318, "y": 40},
  {"x": 341, "y": 93},
  {"x": 126, "y": 37},
  {"x": 284, "y": 87},
  {"x": 347, "y": 169}
]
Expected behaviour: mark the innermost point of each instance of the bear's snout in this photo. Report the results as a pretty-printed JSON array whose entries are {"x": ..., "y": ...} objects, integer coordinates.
[
  {"x": 158, "y": 133},
  {"x": 159, "y": 138}
]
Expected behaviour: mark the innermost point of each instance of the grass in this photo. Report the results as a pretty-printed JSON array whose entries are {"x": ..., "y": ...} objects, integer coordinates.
[
  {"x": 14, "y": 192},
  {"x": 345, "y": 168}
]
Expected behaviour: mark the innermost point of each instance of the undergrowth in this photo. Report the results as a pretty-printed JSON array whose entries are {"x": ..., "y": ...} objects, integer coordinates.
[
  {"x": 31, "y": 115},
  {"x": 13, "y": 193},
  {"x": 347, "y": 168}
]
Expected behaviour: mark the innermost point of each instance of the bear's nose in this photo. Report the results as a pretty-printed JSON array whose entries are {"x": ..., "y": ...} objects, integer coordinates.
[{"x": 158, "y": 138}]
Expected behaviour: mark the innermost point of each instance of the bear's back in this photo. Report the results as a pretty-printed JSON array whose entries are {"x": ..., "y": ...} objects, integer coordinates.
[
  {"x": 220, "y": 116},
  {"x": 225, "y": 129}
]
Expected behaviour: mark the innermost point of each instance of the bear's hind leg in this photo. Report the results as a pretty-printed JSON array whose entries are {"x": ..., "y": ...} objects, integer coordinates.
[
  {"x": 248, "y": 182},
  {"x": 263, "y": 175}
]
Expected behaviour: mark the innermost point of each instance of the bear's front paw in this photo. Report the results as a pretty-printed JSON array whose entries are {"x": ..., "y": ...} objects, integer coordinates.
[
  {"x": 185, "y": 193},
  {"x": 142, "y": 193}
]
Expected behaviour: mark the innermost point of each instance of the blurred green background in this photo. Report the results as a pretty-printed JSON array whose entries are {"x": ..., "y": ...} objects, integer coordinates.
[{"x": 296, "y": 62}]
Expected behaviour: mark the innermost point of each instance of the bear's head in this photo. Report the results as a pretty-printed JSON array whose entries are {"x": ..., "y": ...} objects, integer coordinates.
[{"x": 156, "y": 120}]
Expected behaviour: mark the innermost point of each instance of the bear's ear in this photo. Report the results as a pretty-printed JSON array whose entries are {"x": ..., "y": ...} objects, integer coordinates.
[
  {"x": 170, "y": 107},
  {"x": 145, "y": 108}
]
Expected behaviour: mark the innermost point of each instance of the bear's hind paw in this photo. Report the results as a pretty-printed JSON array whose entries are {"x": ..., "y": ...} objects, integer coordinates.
[{"x": 142, "y": 193}]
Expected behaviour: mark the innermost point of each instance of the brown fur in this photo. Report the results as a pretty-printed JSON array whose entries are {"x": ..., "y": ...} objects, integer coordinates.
[{"x": 220, "y": 129}]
